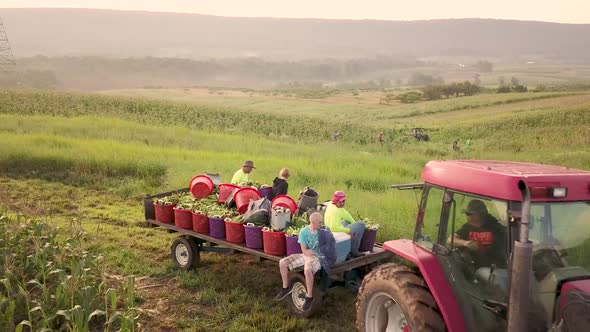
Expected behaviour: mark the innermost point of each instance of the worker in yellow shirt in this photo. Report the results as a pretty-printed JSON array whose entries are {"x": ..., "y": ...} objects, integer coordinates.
[
  {"x": 243, "y": 174},
  {"x": 339, "y": 220}
]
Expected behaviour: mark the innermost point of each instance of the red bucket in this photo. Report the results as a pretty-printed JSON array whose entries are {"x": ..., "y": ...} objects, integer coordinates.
[
  {"x": 164, "y": 213},
  {"x": 274, "y": 243},
  {"x": 201, "y": 186},
  {"x": 183, "y": 218},
  {"x": 285, "y": 201},
  {"x": 234, "y": 232},
  {"x": 225, "y": 190},
  {"x": 243, "y": 197},
  {"x": 200, "y": 223}
]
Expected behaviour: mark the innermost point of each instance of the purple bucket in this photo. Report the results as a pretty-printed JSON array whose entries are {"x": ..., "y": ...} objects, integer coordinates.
[
  {"x": 265, "y": 191},
  {"x": 293, "y": 247},
  {"x": 217, "y": 228},
  {"x": 253, "y": 236},
  {"x": 368, "y": 240}
]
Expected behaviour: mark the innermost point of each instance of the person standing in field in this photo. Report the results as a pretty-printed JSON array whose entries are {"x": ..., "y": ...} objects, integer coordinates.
[
  {"x": 280, "y": 184},
  {"x": 468, "y": 145},
  {"x": 456, "y": 145},
  {"x": 243, "y": 174},
  {"x": 339, "y": 220},
  {"x": 380, "y": 138}
]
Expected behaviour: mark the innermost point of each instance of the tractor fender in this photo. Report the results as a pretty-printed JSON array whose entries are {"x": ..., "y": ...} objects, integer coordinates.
[{"x": 435, "y": 278}]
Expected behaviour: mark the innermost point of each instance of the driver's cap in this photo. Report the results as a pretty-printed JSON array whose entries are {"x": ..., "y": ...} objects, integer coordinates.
[{"x": 476, "y": 206}]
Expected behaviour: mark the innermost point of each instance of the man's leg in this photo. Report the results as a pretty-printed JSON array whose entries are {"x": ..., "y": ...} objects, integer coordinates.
[
  {"x": 357, "y": 230},
  {"x": 284, "y": 268},
  {"x": 286, "y": 264},
  {"x": 312, "y": 265}
]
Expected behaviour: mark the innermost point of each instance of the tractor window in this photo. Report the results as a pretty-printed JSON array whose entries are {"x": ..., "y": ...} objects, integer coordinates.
[
  {"x": 427, "y": 231},
  {"x": 560, "y": 233},
  {"x": 469, "y": 213}
]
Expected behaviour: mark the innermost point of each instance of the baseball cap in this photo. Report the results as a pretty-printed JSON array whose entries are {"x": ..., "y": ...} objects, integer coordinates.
[{"x": 339, "y": 196}]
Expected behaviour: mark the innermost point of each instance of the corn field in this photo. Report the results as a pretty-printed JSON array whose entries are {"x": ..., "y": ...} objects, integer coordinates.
[{"x": 51, "y": 283}]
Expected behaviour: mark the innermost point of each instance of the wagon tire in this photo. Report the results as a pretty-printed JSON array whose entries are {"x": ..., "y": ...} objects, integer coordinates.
[
  {"x": 297, "y": 297},
  {"x": 185, "y": 253}
]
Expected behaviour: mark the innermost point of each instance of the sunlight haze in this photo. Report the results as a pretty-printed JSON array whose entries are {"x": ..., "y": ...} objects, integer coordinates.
[{"x": 567, "y": 11}]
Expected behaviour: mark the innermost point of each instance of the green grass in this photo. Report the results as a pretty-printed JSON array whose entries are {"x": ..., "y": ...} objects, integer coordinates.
[{"x": 92, "y": 158}]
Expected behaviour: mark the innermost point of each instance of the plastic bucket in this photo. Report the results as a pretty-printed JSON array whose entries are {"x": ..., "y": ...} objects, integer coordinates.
[
  {"x": 285, "y": 201},
  {"x": 265, "y": 191},
  {"x": 293, "y": 247},
  {"x": 225, "y": 189},
  {"x": 217, "y": 228},
  {"x": 243, "y": 197},
  {"x": 183, "y": 218},
  {"x": 368, "y": 240},
  {"x": 274, "y": 243},
  {"x": 308, "y": 201},
  {"x": 200, "y": 223},
  {"x": 253, "y": 236},
  {"x": 164, "y": 213},
  {"x": 201, "y": 186},
  {"x": 234, "y": 231}
]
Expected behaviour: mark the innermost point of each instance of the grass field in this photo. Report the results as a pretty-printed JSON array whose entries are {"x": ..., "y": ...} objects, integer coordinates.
[{"x": 93, "y": 158}]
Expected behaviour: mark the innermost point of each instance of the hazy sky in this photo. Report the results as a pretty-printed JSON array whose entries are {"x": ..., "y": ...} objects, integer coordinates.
[{"x": 565, "y": 11}]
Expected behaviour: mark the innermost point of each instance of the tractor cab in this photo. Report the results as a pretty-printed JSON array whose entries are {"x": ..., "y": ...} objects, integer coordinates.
[{"x": 470, "y": 218}]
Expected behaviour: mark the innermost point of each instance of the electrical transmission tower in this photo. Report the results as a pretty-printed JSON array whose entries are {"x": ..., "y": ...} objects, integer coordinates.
[{"x": 7, "y": 62}]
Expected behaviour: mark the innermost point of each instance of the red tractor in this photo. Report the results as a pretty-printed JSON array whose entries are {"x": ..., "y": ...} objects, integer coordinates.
[{"x": 498, "y": 246}]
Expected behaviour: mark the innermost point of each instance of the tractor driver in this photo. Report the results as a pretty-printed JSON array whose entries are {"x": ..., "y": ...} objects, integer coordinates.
[{"x": 483, "y": 236}]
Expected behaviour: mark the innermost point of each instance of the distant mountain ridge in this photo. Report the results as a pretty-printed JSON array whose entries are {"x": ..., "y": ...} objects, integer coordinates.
[{"x": 58, "y": 32}]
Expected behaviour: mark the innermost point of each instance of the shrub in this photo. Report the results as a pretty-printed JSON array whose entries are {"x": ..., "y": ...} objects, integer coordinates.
[{"x": 410, "y": 97}]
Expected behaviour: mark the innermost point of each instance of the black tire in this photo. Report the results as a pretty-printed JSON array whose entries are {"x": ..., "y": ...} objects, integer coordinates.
[
  {"x": 393, "y": 294},
  {"x": 185, "y": 253},
  {"x": 297, "y": 296}
]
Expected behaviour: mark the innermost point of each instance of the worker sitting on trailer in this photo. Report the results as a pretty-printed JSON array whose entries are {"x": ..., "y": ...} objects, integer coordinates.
[
  {"x": 309, "y": 259},
  {"x": 339, "y": 220},
  {"x": 243, "y": 174}
]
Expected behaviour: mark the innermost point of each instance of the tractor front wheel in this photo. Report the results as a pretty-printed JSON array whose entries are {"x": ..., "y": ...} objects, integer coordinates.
[{"x": 393, "y": 298}]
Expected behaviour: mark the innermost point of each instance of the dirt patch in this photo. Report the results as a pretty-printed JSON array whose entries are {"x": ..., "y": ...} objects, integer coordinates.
[{"x": 163, "y": 302}]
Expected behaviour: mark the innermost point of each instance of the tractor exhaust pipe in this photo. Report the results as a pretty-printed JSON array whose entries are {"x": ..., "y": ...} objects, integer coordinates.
[{"x": 518, "y": 302}]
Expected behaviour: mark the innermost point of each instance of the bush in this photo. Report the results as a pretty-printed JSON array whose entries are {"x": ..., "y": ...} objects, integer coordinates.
[{"x": 409, "y": 97}]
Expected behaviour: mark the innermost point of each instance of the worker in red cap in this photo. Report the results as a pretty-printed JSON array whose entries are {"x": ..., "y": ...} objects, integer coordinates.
[{"x": 339, "y": 220}]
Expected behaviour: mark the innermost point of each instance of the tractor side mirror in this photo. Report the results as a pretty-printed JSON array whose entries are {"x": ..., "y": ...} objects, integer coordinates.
[{"x": 439, "y": 249}]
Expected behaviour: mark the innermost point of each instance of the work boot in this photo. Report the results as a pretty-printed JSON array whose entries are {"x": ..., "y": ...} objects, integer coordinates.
[
  {"x": 307, "y": 303},
  {"x": 283, "y": 293}
]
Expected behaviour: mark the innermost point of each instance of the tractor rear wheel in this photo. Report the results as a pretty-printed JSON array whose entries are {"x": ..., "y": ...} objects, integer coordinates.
[{"x": 393, "y": 298}]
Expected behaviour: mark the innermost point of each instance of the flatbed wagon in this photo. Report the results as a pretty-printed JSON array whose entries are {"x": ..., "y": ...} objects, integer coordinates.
[{"x": 188, "y": 245}]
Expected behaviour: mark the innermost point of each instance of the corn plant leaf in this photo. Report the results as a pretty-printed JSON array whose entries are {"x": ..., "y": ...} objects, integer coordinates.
[
  {"x": 96, "y": 312},
  {"x": 64, "y": 314},
  {"x": 21, "y": 326},
  {"x": 37, "y": 308},
  {"x": 114, "y": 317}
]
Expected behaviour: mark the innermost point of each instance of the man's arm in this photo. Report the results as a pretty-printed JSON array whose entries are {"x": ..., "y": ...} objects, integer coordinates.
[
  {"x": 459, "y": 240},
  {"x": 306, "y": 251}
]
